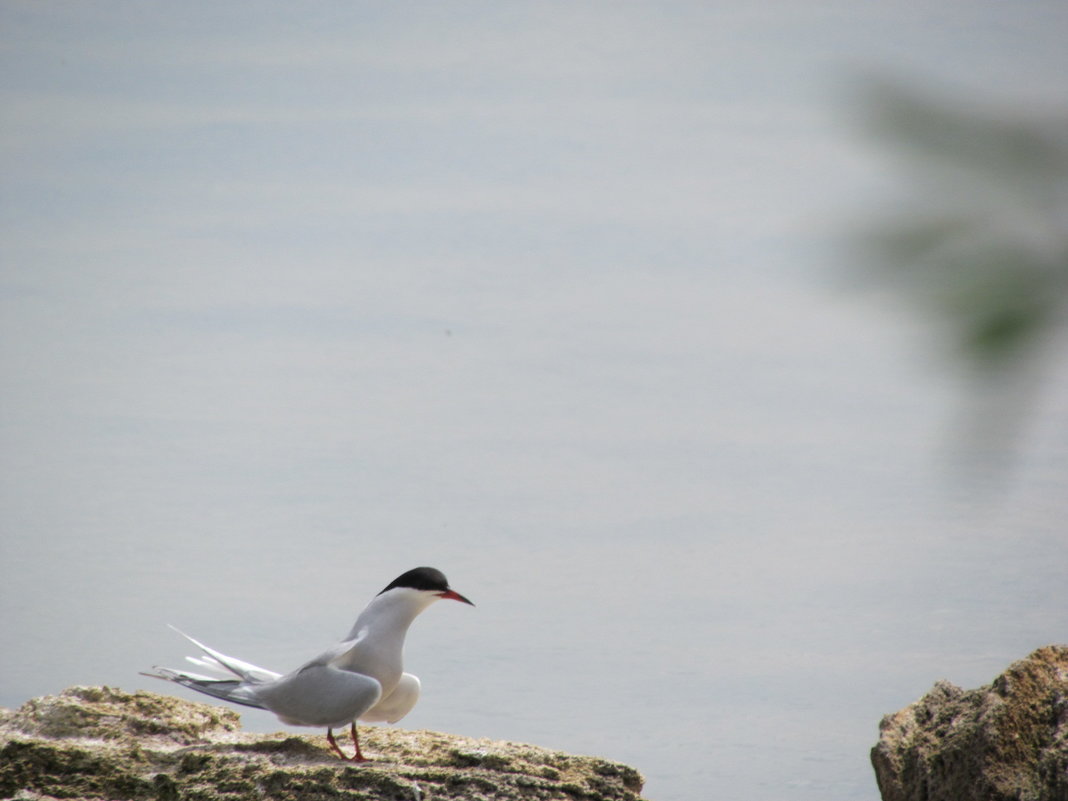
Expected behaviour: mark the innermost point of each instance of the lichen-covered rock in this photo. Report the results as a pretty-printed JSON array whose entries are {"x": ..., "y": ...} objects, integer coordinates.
[
  {"x": 1007, "y": 741},
  {"x": 109, "y": 714},
  {"x": 103, "y": 743}
]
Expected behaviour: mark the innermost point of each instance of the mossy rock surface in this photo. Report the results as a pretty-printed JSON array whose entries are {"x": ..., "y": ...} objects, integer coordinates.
[{"x": 104, "y": 743}]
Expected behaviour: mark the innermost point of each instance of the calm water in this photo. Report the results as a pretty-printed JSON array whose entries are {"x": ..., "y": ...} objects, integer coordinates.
[
  {"x": 541, "y": 298},
  {"x": 723, "y": 605}
]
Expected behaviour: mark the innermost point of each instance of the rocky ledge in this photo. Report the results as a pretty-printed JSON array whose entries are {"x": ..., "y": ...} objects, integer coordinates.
[
  {"x": 103, "y": 743},
  {"x": 1007, "y": 741}
]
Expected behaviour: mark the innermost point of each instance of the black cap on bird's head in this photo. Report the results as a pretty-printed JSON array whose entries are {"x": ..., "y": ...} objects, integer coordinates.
[{"x": 428, "y": 579}]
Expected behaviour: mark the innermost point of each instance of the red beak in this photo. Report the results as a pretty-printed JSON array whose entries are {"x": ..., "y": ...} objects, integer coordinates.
[{"x": 454, "y": 595}]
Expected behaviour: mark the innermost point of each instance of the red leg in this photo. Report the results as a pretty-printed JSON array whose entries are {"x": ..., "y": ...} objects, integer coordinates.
[
  {"x": 333, "y": 743},
  {"x": 357, "y": 757}
]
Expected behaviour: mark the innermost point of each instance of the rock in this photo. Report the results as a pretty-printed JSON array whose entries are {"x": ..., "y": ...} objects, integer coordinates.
[
  {"x": 1007, "y": 740},
  {"x": 104, "y": 743}
]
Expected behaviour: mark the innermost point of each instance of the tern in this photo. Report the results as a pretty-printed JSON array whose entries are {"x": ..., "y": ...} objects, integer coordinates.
[{"x": 360, "y": 678}]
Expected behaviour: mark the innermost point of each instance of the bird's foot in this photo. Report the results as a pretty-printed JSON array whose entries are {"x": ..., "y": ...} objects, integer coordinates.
[{"x": 358, "y": 756}]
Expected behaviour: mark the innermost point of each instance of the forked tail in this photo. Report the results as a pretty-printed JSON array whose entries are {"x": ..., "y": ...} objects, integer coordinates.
[
  {"x": 232, "y": 690},
  {"x": 237, "y": 691}
]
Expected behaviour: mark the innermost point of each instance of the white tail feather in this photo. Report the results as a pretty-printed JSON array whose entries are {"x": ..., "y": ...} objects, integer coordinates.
[{"x": 244, "y": 670}]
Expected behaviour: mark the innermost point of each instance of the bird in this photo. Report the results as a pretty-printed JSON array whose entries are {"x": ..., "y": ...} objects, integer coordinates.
[{"x": 360, "y": 678}]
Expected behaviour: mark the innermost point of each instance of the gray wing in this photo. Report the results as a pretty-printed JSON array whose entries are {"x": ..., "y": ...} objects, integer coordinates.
[
  {"x": 334, "y": 654},
  {"x": 320, "y": 695},
  {"x": 232, "y": 690}
]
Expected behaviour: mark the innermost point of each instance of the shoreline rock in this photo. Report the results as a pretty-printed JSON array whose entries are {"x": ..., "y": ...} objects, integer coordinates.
[
  {"x": 1005, "y": 741},
  {"x": 105, "y": 743}
]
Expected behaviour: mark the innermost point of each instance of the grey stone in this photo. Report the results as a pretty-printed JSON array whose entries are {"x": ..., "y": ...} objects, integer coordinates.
[{"x": 1006, "y": 741}]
